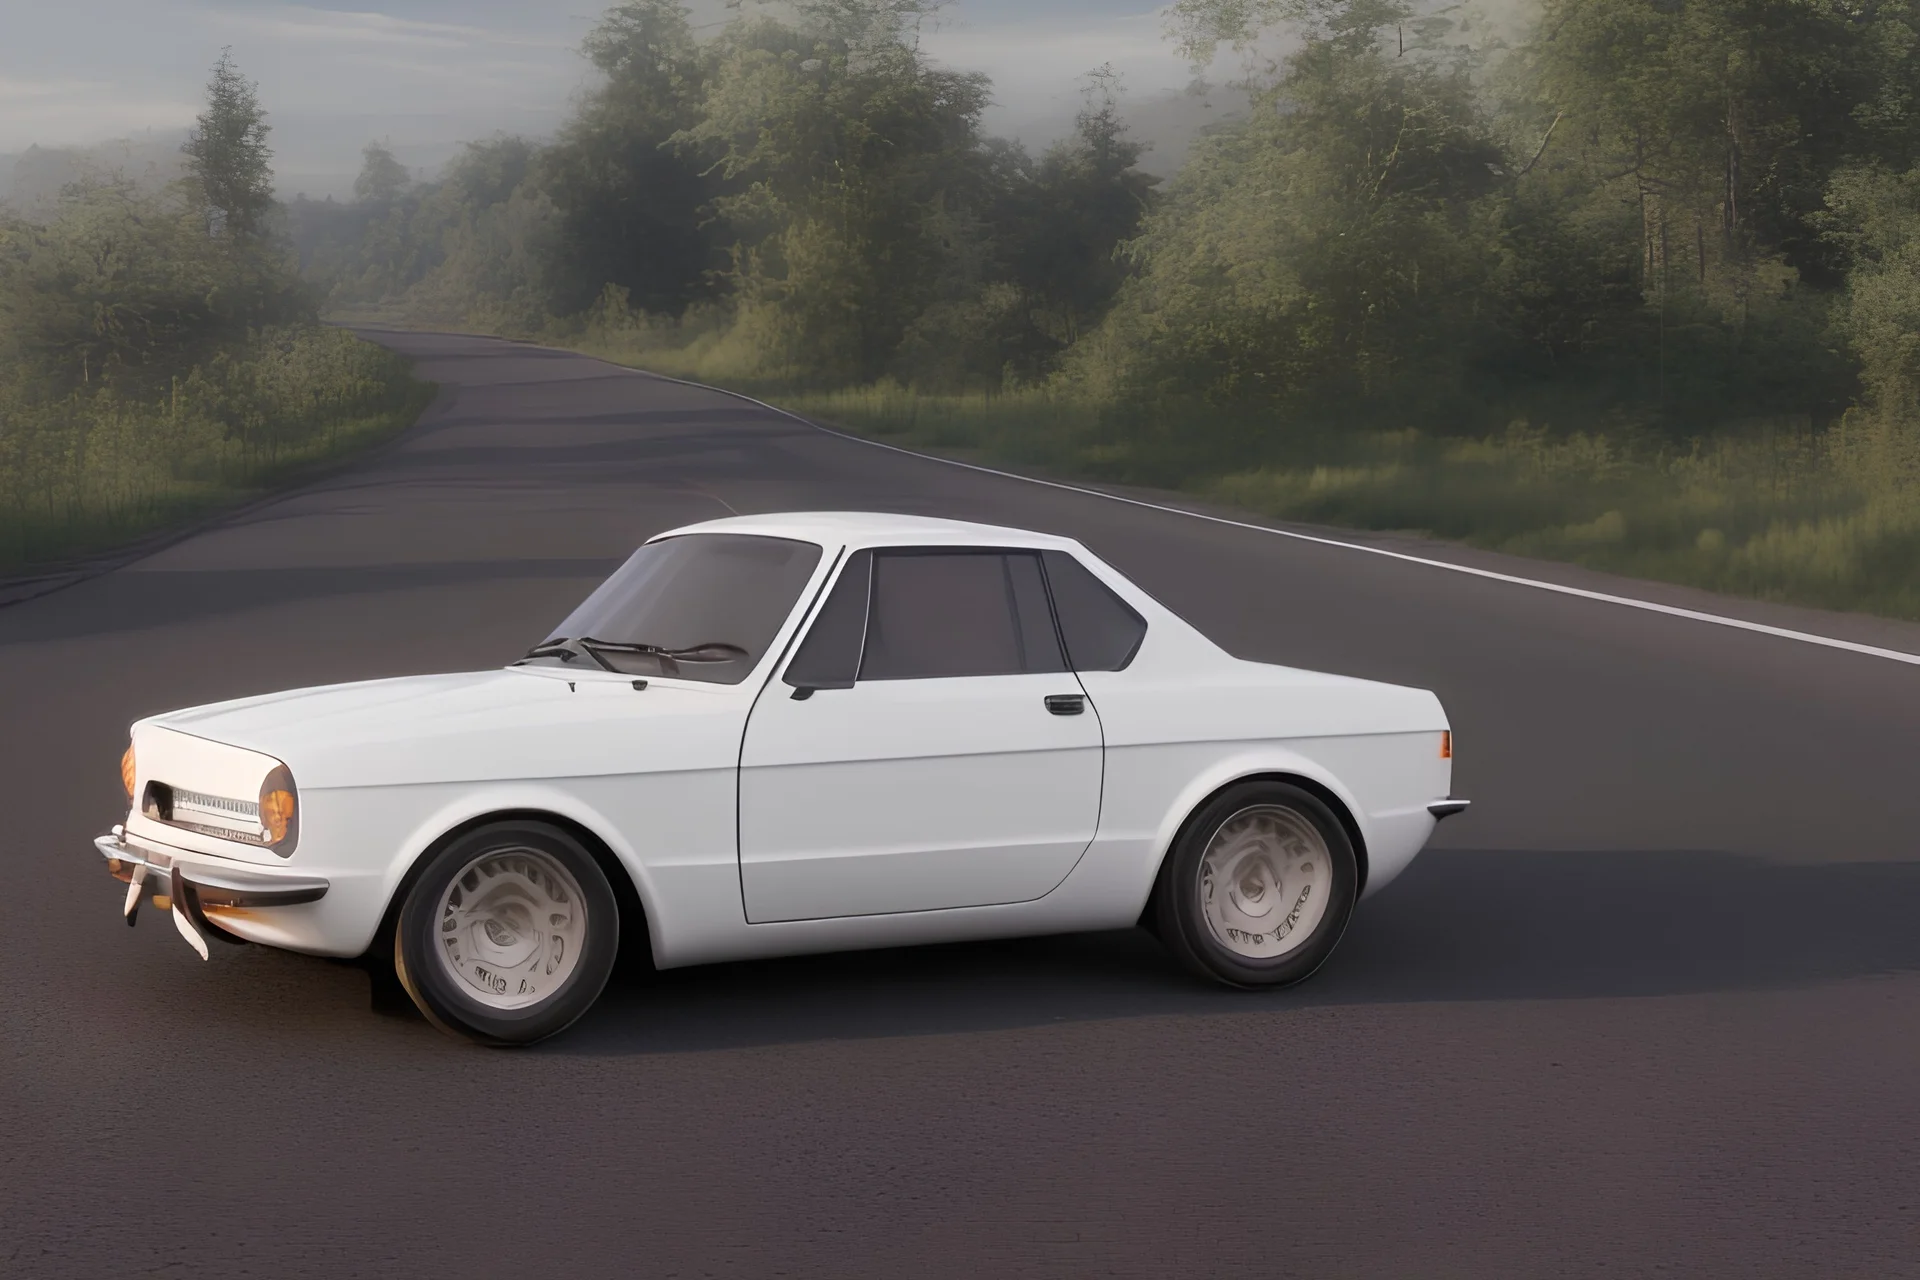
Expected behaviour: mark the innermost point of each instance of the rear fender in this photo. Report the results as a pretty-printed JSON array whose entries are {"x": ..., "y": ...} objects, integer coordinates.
[{"x": 1279, "y": 763}]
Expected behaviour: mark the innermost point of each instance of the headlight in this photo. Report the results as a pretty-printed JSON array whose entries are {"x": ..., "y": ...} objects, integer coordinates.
[
  {"x": 280, "y": 811},
  {"x": 126, "y": 772}
]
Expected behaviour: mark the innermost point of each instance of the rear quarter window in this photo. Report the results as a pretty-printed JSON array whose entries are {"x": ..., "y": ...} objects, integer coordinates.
[{"x": 1101, "y": 631}]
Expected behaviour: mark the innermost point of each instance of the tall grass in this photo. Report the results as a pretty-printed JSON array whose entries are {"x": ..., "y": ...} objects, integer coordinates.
[
  {"x": 1776, "y": 510},
  {"x": 1773, "y": 513},
  {"x": 91, "y": 469}
]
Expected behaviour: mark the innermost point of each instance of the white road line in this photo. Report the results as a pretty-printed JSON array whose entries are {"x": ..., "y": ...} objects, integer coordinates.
[{"x": 1672, "y": 611}]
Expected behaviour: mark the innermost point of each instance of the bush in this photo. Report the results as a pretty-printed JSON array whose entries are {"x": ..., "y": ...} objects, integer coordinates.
[{"x": 86, "y": 469}]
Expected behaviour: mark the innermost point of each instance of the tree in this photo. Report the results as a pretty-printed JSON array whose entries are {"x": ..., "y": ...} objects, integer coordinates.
[
  {"x": 631, "y": 203},
  {"x": 382, "y": 178},
  {"x": 853, "y": 177},
  {"x": 1066, "y": 223},
  {"x": 1729, "y": 119},
  {"x": 1031, "y": 252},
  {"x": 1329, "y": 252},
  {"x": 1874, "y": 218},
  {"x": 124, "y": 288},
  {"x": 228, "y": 160}
]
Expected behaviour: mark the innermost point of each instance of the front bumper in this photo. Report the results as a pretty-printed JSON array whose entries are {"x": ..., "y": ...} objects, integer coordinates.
[{"x": 193, "y": 886}]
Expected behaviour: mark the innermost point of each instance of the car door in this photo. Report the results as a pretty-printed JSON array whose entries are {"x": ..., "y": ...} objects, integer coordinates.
[{"x": 927, "y": 746}]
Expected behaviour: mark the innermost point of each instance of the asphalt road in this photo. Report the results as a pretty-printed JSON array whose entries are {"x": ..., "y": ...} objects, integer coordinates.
[{"x": 1654, "y": 1004}]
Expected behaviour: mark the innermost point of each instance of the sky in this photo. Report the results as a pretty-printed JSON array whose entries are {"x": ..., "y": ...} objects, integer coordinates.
[{"x": 425, "y": 75}]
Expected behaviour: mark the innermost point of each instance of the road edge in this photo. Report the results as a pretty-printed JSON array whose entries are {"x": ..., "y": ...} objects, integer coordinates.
[
  {"x": 1584, "y": 593},
  {"x": 442, "y": 400},
  {"x": 44, "y": 580}
]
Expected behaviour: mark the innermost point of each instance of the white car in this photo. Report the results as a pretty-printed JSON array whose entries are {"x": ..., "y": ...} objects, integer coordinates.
[{"x": 789, "y": 733}]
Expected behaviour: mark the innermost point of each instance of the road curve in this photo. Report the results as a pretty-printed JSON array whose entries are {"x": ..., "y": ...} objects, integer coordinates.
[{"x": 1655, "y": 1003}]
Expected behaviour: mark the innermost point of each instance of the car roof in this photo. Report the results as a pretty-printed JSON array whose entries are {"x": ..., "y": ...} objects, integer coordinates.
[{"x": 874, "y": 528}]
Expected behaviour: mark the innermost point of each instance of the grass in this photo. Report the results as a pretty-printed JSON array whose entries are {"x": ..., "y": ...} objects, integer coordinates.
[
  {"x": 1771, "y": 510},
  {"x": 1725, "y": 514},
  {"x": 86, "y": 474}
]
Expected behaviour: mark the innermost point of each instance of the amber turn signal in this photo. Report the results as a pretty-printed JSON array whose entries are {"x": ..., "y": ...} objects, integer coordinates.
[
  {"x": 280, "y": 811},
  {"x": 276, "y": 810},
  {"x": 1446, "y": 744},
  {"x": 126, "y": 772}
]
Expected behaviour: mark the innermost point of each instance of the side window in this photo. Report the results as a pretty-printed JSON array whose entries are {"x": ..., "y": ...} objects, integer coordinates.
[
  {"x": 829, "y": 658},
  {"x": 1102, "y": 632},
  {"x": 958, "y": 613}
]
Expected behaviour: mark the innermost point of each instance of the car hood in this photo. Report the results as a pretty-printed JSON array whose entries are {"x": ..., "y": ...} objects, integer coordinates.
[{"x": 510, "y": 723}]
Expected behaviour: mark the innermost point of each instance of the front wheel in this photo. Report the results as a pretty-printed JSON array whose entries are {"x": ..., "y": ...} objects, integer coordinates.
[
  {"x": 508, "y": 935},
  {"x": 1258, "y": 887}
]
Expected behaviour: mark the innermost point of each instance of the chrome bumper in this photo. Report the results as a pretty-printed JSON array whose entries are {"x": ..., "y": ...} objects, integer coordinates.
[{"x": 192, "y": 886}]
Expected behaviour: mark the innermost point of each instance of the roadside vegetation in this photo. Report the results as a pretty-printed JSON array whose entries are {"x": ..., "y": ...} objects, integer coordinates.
[
  {"x": 160, "y": 355},
  {"x": 1632, "y": 283}
]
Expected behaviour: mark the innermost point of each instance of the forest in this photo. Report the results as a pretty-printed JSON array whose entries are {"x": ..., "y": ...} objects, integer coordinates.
[
  {"x": 160, "y": 355},
  {"x": 1629, "y": 282},
  {"x": 1633, "y": 283}
]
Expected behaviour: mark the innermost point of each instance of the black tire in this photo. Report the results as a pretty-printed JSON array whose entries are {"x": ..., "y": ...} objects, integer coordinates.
[
  {"x": 1181, "y": 908},
  {"x": 511, "y": 856}
]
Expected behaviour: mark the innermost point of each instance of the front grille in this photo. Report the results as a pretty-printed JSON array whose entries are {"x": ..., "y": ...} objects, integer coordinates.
[
  {"x": 248, "y": 809},
  {"x": 220, "y": 816}
]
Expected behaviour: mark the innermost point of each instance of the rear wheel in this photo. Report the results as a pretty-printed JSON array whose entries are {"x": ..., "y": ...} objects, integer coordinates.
[
  {"x": 508, "y": 934},
  {"x": 1258, "y": 888}
]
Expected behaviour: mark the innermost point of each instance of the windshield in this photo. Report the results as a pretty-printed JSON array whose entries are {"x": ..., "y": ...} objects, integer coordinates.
[{"x": 703, "y": 606}]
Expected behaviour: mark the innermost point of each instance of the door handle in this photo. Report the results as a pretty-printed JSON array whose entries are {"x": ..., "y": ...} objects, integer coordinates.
[{"x": 1066, "y": 704}]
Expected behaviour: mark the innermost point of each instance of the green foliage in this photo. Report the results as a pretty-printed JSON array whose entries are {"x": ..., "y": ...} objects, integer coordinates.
[
  {"x": 1777, "y": 512},
  {"x": 382, "y": 178},
  {"x": 479, "y": 247},
  {"x": 1418, "y": 230},
  {"x": 810, "y": 172},
  {"x": 1633, "y": 282},
  {"x": 155, "y": 361},
  {"x": 130, "y": 290},
  {"x": 1061, "y": 225},
  {"x": 629, "y": 201},
  {"x": 1874, "y": 218},
  {"x": 229, "y": 164},
  {"x": 851, "y": 180},
  {"x": 84, "y": 470},
  {"x": 1726, "y": 121},
  {"x": 1331, "y": 253}
]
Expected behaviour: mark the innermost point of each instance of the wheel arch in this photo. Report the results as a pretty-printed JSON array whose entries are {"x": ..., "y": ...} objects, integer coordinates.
[
  {"x": 1191, "y": 804},
  {"x": 636, "y": 937}
]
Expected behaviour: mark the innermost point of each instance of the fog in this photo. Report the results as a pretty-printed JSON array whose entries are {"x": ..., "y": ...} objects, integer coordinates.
[{"x": 426, "y": 75}]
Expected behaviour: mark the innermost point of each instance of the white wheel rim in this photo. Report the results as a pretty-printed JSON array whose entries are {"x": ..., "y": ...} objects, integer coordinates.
[
  {"x": 510, "y": 927},
  {"x": 1264, "y": 882}
]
